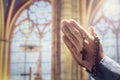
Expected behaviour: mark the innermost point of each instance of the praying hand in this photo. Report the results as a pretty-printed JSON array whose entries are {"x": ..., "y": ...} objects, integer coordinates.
[{"x": 87, "y": 51}]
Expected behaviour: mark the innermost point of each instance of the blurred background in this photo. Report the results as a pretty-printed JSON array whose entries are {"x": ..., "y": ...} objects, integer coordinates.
[{"x": 31, "y": 45}]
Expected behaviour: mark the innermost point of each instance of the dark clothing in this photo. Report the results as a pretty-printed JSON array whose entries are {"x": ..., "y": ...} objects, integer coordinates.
[{"x": 108, "y": 70}]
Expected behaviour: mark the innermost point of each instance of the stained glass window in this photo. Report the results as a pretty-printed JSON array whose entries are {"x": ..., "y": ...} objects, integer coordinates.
[
  {"x": 31, "y": 43},
  {"x": 107, "y": 24}
]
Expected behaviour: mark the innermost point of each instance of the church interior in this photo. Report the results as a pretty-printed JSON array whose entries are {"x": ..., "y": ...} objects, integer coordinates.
[{"x": 31, "y": 45}]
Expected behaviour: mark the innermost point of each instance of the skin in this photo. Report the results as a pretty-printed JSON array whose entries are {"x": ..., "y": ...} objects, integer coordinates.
[{"x": 73, "y": 38}]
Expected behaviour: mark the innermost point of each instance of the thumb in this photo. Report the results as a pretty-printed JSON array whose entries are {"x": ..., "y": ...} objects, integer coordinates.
[{"x": 91, "y": 30}]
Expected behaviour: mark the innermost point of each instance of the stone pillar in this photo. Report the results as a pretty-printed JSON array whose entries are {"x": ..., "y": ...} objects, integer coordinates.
[
  {"x": 66, "y": 58},
  {"x": 70, "y": 70},
  {"x": 1, "y": 37},
  {"x": 56, "y": 40}
]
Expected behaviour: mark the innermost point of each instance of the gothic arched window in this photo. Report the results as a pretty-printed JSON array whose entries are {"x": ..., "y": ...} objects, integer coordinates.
[
  {"x": 31, "y": 43},
  {"x": 107, "y": 23}
]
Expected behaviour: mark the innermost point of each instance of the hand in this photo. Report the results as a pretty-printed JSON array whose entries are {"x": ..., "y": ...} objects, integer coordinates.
[{"x": 73, "y": 38}]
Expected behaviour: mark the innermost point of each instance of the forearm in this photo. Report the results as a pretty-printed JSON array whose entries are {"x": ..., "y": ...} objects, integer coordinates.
[{"x": 108, "y": 70}]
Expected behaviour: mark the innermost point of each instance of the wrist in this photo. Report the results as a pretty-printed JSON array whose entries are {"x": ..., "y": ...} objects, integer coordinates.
[
  {"x": 89, "y": 65},
  {"x": 101, "y": 56}
]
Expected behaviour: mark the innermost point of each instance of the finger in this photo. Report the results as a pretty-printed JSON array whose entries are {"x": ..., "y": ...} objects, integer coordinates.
[
  {"x": 83, "y": 32},
  {"x": 78, "y": 27},
  {"x": 91, "y": 30},
  {"x": 76, "y": 36},
  {"x": 93, "y": 33},
  {"x": 77, "y": 58},
  {"x": 69, "y": 34},
  {"x": 72, "y": 49}
]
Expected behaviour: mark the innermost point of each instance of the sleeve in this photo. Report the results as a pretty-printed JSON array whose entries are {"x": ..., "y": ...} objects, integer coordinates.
[{"x": 108, "y": 70}]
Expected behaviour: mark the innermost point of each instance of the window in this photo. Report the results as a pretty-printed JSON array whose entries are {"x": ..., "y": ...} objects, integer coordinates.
[
  {"x": 107, "y": 24},
  {"x": 31, "y": 43}
]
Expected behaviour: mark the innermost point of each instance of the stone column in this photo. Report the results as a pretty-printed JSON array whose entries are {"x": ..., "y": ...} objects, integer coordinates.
[
  {"x": 1, "y": 37},
  {"x": 56, "y": 40}
]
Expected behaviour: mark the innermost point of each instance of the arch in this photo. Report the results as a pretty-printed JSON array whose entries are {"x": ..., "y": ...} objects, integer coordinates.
[
  {"x": 18, "y": 12},
  {"x": 28, "y": 46},
  {"x": 9, "y": 29}
]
